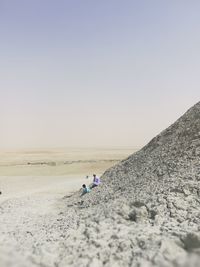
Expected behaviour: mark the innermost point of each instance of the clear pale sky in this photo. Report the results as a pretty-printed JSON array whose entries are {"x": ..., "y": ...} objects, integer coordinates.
[{"x": 95, "y": 73}]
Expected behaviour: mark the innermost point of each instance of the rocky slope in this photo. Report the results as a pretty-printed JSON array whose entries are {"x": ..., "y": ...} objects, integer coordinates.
[
  {"x": 147, "y": 210},
  {"x": 169, "y": 162}
]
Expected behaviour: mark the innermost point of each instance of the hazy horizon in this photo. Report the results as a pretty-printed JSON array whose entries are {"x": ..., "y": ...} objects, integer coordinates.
[
  {"x": 65, "y": 148},
  {"x": 95, "y": 73}
]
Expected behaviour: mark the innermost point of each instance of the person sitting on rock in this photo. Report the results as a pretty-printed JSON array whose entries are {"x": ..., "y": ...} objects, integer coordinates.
[
  {"x": 96, "y": 181},
  {"x": 85, "y": 189}
]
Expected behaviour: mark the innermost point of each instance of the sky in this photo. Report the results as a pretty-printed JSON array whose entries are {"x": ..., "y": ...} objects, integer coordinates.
[{"x": 85, "y": 73}]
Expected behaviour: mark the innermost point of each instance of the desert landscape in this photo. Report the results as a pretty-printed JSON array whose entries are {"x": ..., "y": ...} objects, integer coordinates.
[
  {"x": 61, "y": 161},
  {"x": 145, "y": 212},
  {"x": 54, "y": 171},
  {"x": 100, "y": 133},
  {"x": 33, "y": 184}
]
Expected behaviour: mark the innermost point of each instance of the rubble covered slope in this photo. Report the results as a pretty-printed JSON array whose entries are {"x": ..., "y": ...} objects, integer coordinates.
[
  {"x": 167, "y": 163},
  {"x": 146, "y": 212}
]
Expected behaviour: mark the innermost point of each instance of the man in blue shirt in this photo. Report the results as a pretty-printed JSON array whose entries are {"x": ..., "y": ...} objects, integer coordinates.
[{"x": 85, "y": 189}]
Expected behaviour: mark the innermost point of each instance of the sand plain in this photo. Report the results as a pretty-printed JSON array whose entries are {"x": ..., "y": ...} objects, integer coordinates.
[
  {"x": 53, "y": 171},
  {"x": 60, "y": 161}
]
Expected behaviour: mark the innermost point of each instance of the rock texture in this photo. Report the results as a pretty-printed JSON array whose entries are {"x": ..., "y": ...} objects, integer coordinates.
[{"x": 147, "y": 210}]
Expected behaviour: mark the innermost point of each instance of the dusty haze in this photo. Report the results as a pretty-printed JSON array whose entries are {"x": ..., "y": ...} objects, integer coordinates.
[{"x": 95, "y": 73}]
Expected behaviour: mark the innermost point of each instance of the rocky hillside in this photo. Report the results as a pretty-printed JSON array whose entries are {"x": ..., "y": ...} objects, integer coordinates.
[
  {"x": 147, "y": 210},
  {"x": 169, "y": 162}
]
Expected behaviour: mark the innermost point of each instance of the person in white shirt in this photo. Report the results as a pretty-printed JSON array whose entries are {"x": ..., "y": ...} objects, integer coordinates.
[{"x": 96, "y": 181}]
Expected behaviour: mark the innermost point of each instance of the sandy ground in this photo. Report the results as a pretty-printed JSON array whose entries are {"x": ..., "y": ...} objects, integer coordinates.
[
  {"x": 53, "y": 171},
  {"x": 27, "y": 205},
  {"x": 22, "y": 186},
  {"x": 33, "y": 184}
]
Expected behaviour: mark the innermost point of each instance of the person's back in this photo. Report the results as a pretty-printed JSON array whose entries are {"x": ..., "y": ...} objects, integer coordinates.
[{"x": 85, "y": 189}]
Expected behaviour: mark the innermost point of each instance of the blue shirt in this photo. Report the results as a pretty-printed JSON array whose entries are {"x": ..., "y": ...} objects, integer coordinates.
[{"x": 86, "y": 190}]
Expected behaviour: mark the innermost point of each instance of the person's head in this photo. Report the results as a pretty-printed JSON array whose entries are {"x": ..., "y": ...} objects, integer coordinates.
[
  {"x": 84, "y": 186},
  {"x": 94, "y": 175}
]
